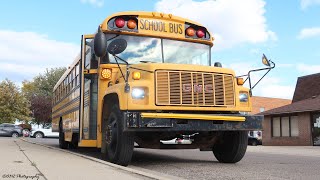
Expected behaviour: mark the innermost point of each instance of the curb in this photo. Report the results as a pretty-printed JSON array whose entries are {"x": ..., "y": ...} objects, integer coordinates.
[{"x": 118, "y": 167}]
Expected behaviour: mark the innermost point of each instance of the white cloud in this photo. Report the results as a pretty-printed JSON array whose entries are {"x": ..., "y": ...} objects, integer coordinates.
[
  {"x": 95, "y": 3},
  {"x": 305, "y": 69},
  {"x": 276, "y": 91},
  {"x": 29, "y": 53},
  {"x": 309, "y": 32},
  {"x": 306, "y": 3},
  {"x": 232, "y": 22}
]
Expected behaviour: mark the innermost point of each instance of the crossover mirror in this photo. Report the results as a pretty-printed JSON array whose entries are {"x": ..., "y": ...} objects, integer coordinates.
[{"x": 117, "y": 46}]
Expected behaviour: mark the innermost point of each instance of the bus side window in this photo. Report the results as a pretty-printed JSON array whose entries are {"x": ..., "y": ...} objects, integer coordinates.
[
  {"x": 88, "y": 58},
  {"x": 91, "y": 61},
  {"x": 94, "y": 61}
]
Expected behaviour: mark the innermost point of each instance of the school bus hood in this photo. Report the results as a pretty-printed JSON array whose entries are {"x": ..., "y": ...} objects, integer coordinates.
[{"x": 182, "y": 67}]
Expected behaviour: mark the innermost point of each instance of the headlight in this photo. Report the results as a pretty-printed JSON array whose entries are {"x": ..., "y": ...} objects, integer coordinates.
[
  {"x": 243, "y": 97},
  {"x": 137, "y": 93}
]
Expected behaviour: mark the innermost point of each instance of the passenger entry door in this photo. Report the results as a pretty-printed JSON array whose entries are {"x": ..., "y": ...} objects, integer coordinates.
[{"x": 88, "y": 94}]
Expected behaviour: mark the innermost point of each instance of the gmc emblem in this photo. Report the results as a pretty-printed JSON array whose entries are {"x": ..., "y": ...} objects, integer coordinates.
[{"x": 197, "y": 88}]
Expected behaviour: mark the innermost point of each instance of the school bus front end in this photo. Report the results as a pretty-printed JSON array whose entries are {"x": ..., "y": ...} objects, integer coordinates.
[
  {"x": 172, "y": 95},
  {"x": 166, "y": 88},
  {"x": 153, "y": 81}
]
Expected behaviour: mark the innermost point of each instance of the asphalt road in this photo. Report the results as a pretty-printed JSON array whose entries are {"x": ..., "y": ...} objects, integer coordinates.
[{"x": 259, "y": 162}]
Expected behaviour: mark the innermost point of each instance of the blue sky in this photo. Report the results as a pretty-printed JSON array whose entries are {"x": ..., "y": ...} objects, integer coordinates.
[{"x": 35, "y": 35}]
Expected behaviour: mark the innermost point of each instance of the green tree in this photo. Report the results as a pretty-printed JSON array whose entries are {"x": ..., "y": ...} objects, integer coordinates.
[
  {"x": 39, "y": 92},
  {"x": 13, "y": 105}
]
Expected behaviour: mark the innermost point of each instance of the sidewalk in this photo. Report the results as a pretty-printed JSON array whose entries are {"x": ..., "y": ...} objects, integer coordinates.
[{"x": 23, "y": 160}]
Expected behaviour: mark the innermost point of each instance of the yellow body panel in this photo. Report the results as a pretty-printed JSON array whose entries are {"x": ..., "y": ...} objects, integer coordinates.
[
  {"x": 88, "y": 143},
  {"x": 192, "y": 116}
]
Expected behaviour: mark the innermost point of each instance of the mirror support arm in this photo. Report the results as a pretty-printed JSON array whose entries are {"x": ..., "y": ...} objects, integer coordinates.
[
  {"x": 255, "y": 70},
  {"x": 126, "y": 78}
]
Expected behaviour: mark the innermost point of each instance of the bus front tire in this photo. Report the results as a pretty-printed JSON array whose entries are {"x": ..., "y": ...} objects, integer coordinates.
[
  {"x": 119, "y": 144},
  {"x": 232, "y": 146},
  {"x": 62, "y": 143}
]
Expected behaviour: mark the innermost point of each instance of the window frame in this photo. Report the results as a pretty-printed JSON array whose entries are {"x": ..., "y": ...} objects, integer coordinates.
[{"x": 290, "y": 124}]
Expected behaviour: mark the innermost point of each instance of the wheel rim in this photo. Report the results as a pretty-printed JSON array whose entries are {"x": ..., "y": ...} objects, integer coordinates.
[
  {"x": 111, "y": 134},
  {"x": 15, "y": 135},
  {"x": 38, "y": 135}
]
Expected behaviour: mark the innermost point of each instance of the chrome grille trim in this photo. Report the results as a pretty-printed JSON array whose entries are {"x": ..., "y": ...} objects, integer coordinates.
[{"x": 194, "y": 88}]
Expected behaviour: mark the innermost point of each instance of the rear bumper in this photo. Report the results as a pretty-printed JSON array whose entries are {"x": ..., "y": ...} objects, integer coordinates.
[{"x": 166, "y": 122}]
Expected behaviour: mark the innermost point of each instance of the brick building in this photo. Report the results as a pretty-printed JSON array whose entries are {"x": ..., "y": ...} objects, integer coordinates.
[{"x": 299, "y": 122}]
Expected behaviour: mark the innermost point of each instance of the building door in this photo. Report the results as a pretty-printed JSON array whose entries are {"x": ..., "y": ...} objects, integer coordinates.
[{"x": 316, "y": 129}]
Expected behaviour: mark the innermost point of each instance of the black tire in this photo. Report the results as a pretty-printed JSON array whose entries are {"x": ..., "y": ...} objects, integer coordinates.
[
  {"x": 254, "y": 143},
  {"x": 62, "y": 143},
  {"x": 14, "y": 134},
  {"x": 38, "y": 135},
  {"x": 232, "y": 146},
  {"x": 118, "y": 144},
  {"x": 74, "y": 142}
]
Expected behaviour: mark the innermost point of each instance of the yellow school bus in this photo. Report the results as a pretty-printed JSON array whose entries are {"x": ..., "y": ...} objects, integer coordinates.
[{"x": 148, "y": 77}]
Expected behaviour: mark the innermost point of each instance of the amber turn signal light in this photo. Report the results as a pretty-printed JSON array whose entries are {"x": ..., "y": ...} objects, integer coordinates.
[
  {"x": 190, "y": 32},
  {"x": 136, "y": 75},
  {"x": 131, "y": 24},
  {"x": 106, "y": 74},
  {"x": 240, "y": 81}
]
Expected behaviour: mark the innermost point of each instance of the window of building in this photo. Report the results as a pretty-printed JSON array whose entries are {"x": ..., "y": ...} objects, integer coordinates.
[
  {"x": 286, "y": 126},
  {"x": 294, "y": 126},
  {"x": 262, "y": 109},
  {"x": 276, "y": 127}
]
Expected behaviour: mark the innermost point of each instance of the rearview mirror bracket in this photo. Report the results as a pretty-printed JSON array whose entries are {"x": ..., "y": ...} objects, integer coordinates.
[{"x": 270, "y": 65}]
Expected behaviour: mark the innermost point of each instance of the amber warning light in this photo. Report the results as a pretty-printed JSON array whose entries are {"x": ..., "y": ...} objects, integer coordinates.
[{"x": 106, "y": 74}]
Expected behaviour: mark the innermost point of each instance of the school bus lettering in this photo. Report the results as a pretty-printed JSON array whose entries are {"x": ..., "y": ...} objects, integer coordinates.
[{"x": 152, "y": 25}]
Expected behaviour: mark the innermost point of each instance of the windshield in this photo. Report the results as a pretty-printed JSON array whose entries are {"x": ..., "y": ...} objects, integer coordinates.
[{"x": 147, "y": 49}]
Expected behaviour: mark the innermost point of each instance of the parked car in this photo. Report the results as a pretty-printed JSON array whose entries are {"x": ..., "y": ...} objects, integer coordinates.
[
  {"x": 255, "y": 138},
  {"x": 26, "y": 129},
  {"x": 12, "y": 130},
  {"x": 46, "y": 131}
]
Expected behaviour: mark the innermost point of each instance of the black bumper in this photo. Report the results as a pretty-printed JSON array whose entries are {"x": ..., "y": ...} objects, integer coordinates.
[{"x": 134, "y": 122}]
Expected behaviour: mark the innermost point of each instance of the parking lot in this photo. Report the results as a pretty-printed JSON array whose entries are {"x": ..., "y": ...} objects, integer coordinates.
[{"x": 260, "y": 162}]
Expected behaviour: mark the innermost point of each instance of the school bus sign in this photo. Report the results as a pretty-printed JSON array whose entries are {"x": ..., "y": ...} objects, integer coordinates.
[{"x": 165, "y": 28}]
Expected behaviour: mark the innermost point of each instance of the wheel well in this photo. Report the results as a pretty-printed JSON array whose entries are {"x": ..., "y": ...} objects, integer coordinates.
[
  {"x": 108, "y": 100},
  {"x": 38, "y": 132}
]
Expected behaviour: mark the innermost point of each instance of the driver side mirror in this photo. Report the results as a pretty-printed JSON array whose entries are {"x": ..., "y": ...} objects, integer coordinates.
[{"x": 100, "y": 43}]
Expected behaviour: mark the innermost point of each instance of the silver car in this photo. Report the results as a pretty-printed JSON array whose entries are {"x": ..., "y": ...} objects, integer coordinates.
[{"x": 12, "y": 130}]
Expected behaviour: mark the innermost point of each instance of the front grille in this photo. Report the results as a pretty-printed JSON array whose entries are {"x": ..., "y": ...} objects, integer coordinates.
[{"x": 194, "y": 88}]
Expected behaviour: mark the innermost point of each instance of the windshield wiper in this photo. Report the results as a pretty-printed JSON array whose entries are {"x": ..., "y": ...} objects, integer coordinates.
[{"x": 147, "y": 62}]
